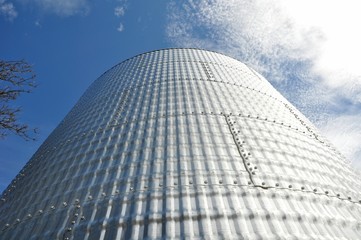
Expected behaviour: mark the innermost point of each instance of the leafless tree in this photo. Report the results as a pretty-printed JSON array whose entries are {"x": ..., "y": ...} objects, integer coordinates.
[{"x": 16, "y": 78}]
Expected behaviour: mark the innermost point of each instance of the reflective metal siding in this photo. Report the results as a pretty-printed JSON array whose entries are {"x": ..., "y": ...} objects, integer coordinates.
[{"x": 183, "y": 143}]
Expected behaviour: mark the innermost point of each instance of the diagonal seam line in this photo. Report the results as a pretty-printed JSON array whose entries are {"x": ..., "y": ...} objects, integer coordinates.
[{"x": 240, "y": 154}]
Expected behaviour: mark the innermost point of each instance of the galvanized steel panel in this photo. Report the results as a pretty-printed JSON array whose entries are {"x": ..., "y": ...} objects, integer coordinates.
[{"x": 183, "y": 143}]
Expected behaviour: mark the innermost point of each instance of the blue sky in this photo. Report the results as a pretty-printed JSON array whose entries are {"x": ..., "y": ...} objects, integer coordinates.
[{"x": 309, "y": 52}]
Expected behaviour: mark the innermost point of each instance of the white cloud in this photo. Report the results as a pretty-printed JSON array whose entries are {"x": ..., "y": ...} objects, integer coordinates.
[
  {"x": 120, "y": 27},
  {"x": 276, "y": 32},
  {"x": 8, "y": 10},
  {"x": 308, "y": 49},
  {"x": 249, "y": 30},
  {"x": 62, "y": 7},
  {"x": 345, "y": 133},
  {"x": 67, "y": 7},
  {"x": 119, "y": 11}
]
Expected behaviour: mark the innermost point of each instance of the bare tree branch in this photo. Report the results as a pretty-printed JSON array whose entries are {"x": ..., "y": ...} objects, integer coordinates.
[{"x": 16, "y": 77}]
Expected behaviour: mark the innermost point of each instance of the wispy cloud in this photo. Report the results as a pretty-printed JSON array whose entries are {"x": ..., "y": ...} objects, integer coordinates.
[
  {"x": 120, "y": 27},
  {"x": 37, "y": 23},
  {"x": 8, "y": 10},
  {"x": 62, "y": 7},
  {"x": 67, "y": 7},
  {"x": 119, "y": 12},
  {"x": 255, "y": 32},
  {"x": 345, "y": 131},
  {"x": 308, "y": 49}
]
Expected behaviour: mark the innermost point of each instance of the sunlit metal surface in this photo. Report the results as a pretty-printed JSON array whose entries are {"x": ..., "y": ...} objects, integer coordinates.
[{"x": 183, "y": 143}]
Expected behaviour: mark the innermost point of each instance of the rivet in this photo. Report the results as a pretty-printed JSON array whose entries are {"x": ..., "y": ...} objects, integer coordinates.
[
  {"x": 263, "y": 183},
  {"x": 175, "y": 183},
  {"x": 220, "y": 181},
  {"x": 131, "y": 189},
  {"x": 17, "y": 220},
  {"x": 277, "y": 185},
  {"x": 160, "y": 184},
  {"x": 65, "y": 204},
  {"x": 253, "y": 173},
  {"x": 77, "y": 201},
  {"x": 255, "y": 167},
  {"x": 72, "y": 222},
  {"x": 315, "y": 190},
  {"x": 235, "y": 181},
  {"x": 90, "y": 197},
  {"x": 82, "y": 218},
  {"x": 116, "y": 191},
  {"x": 77, "y": 206},
  {"x": 290, "y": 186},
  {"x": 29, "y": 215},
  {"x": 52, "y": 207},
  {"x": 338, "y": 195},
  {"x": 205, "y": 181},
  {"x": 69, "y": 229},
  {"x": 249, "y": 183},
  {"x": 349, "y": 198},
  {"x": 40, "y": 211},
  {"x": 104, "y": 194},
  {"x": 302, "y": 188},
  {"x": 76, "y": 214},
  {"x": 326, "y": 192},
  {"x": 190, "y": 182}
]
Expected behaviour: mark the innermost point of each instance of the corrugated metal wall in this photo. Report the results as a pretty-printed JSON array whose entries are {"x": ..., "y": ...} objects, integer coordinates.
[{"x": 183, "y": 143}]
